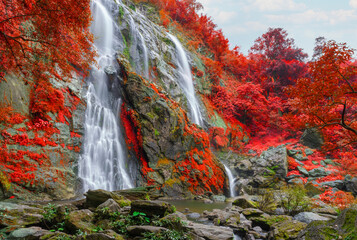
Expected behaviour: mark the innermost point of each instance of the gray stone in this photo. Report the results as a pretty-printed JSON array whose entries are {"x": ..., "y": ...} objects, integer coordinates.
[
  {"x": 322, "y": 162},
  {"x": 275, "y": 159},
  {"x": 218, "y": 198},
  {"x": 252, "y": 212},
  {"x": 309, "y": 152},
  {"x": 312, "y": 138},
  {"x": 292, "y": 152},
  {"x": 193, "y": 215},
  {"x": 308, "y": 217},
  {"x": 300, "y": 157},
  {"x": 351, "y": 185},
  {"x": 318, "y": 172},
  {"x": 31, "y": 233},
  {"x": 303, "y": 170},
  {"x": 152, "y": 208},
  {"x": 296, "y": 181},
  {"x": 244, "y": 202},
  {"x": 210, "y": 232},
  {"x": 330, "y": 162},
  {"x": 110, "y": 204},
  {"x": 334, "y": 184},
  {"x": 80, "y": 220},
  {"x": 140, "y": 230}
]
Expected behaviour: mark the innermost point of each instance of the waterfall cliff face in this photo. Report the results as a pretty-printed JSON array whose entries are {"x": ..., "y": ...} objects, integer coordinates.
[
  {"x": 124, "y": 33},
  {"x": 185, "y": 81},
  {"x": 103, "y": 162}
]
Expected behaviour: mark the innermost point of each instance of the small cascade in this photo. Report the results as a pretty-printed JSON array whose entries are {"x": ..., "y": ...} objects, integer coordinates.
[
  {"x": 231, "y": 181},
  {"x": 138, "y": 49},
  {"x": 103, "y": 162},
  {"x": 185, "y": 81}
]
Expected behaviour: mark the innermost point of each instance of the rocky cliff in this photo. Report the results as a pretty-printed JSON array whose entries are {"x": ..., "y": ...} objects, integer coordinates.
[{"x": 41, "y": 140}]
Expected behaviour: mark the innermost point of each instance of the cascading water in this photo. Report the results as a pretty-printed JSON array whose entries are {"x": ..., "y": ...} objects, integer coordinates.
[
  {"x": 137, "y": 45},
  {"x": 186, "y": 84},
  {"x": 231, "y": 181},
  {"x": 185, "y": 81},
  {"x": 103, "y": 162}
]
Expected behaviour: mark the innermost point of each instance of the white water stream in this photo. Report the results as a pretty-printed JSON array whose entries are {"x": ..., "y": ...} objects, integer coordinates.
[
  {"x": 102, "y": 164},
  {"x": 185, "y": 81},
  {"x": 231, "y": 181}
]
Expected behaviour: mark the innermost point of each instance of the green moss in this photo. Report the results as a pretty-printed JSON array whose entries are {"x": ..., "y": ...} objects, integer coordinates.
[
  {"x": 124, "y": 203},
  {"x": 121, "y": 12},
  {"x": 350, "y": 220},
  {"x": 157, "y": 133}
]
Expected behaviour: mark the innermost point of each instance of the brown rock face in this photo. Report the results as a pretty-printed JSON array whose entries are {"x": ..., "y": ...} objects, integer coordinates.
[{"x": 174, "y": 154}]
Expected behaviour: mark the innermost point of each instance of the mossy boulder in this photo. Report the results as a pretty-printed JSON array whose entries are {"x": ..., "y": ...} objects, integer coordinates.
[
  {"x": 96, "y": 197},
  {"x": 266, "y": 221},
  {"x": 152, "y": 208},
  {"x": 344, "y": 227},
  {"x": 80, "y": 220},
  {"x": 288, "y": 229},
  {"x": 19, "y": 215},
  {"x": 244, "y": 202},
  {"x": 31, "y": 233}
]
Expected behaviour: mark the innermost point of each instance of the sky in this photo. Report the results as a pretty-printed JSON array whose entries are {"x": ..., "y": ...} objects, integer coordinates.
[{"x": 243, "y": 21}]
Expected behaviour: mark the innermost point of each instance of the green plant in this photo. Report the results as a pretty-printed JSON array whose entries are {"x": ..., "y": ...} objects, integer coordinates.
[
  {"x": 50, "y": 212},
  {"x": 97, "y": 229},
  {"x": 80, "y": 233},
  {"x": 141, "y": 218},
  {"x": 267, "y": 202},
  {"x": 121, "y": 12},
  {"x": 132, "y": 7},
  {"x": 293, "y": 199}
]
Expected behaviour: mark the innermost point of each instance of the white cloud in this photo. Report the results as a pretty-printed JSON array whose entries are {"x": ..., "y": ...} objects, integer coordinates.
[
  {"x": 353, "y": 3},
  {"x": 224, "y": 16},
  {"x": 312, "y": 16},
  {"x": 276, "y": 5}
]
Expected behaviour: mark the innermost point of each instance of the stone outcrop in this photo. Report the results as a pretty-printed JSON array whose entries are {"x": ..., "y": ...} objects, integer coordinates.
[
  {"x": 174, "y": 154},
  {"x": 48, "y": 146}
]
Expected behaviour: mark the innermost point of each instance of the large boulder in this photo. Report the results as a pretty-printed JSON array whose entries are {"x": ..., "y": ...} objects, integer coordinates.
[
  {"x": 344, "y": 227},
  {"x": 275, "y": 160},
  {"x": 152, "y": 208},
  {"x": 308, "y": 217},
  {"x": 96, "y": 197},
  {"x": 31, "y": 233},
  {"x": 312, "y": 138},
  {"x": 210, "y": 232},
  {"x": 19, "y": 215},
  {"x": 244, "y": 202},
  {"x": 141, "y": 230},
  {"x": 174, "y": 154},
  {"x": 351, "y": 185},
  {"x": 80, "y": 220},
  {"x": 288, "y": 229}
]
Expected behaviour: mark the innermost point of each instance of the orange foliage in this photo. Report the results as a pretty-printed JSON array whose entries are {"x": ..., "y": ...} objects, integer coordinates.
[
  {"x": 42, "y": 38},
  {"x": 339, "y": 199}
]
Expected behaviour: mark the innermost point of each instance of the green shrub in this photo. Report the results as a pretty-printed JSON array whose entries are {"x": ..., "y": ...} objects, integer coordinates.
[
  {"x": 293, "y": 199},
  {"x": 267, "y": 202}
]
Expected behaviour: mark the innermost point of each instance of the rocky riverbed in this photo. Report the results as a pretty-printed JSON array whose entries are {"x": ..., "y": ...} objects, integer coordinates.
[{"x": 136, "y": 214}]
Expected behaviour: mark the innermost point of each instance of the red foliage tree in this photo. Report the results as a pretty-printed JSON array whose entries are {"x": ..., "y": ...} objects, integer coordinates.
[
  {"x": 328, "y": 99},
  {"x": 278, "y": 62},
  {"x": 42, "y": 38}
]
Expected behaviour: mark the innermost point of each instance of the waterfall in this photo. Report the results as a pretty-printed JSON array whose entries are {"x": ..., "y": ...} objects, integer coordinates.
[
  {"x": 231, "y": 181},
  {"x": 103, "y": 161},
  {"x": 138, "y": 49},
  {"x": 185, "y": 81}
]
